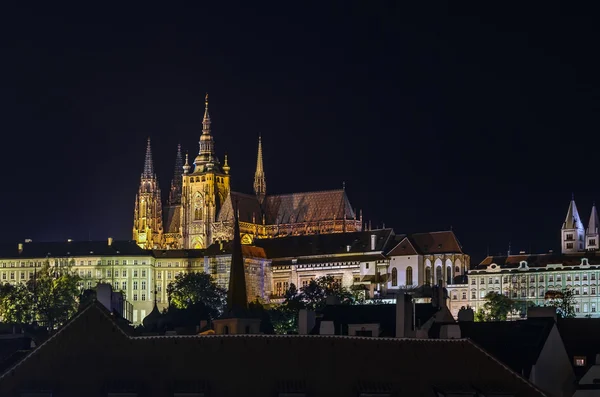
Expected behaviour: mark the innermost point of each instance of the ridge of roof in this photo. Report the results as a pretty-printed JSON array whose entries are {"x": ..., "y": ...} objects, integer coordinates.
[
  {"x": 94, "y": 303},
  {"x": 517, "y": 375},
  {"x": 308, "y": 192}
]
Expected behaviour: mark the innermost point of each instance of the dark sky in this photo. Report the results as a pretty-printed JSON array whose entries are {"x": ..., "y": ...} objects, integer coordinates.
[{"x": 485, "y": 120}]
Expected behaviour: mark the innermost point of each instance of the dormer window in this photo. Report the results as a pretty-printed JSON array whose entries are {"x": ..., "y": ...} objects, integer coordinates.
[{"x": 579, "y": 361}]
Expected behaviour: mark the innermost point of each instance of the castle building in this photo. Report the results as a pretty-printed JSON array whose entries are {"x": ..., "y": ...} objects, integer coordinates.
[
  {"x": 533, "y": 278},
  {"x": 199, "y": 211}
]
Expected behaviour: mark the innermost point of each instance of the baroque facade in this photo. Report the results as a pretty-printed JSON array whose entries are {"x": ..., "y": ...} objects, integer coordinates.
[
  {"x": 528, "y": 278},
  {"x": 200, "y": 205}
]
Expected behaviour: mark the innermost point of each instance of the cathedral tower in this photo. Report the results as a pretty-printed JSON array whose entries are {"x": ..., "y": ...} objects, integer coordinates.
[
  {"x": 147, "y": 222},
  {"x": 591, "y": 234},
  {"x": 260, "y": 184},
  {"x": 175, "y": 192},
  {"x": 203, "y": 191},
  {"x": 572, "y": 231}
]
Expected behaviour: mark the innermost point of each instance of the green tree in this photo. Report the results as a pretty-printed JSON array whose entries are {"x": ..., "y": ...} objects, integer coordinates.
[
  {"x": 16, "y": 304},
  {"x": 193, "y": 288},
  {"x": 315, "y": 294},
  {"x": 497, "y": 307},
  {"x": 564, "y": 302},
  {"x": 54, "y": 292}
]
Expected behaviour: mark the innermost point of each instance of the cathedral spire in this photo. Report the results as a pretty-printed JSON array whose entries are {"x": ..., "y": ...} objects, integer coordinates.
[
  {"x": 175, "y": 193},
  {"x": 206, "y": 119},
  {"x": 206, "y": 159},
  {"x": 148, "y": 165},
  {"x": 237, "y": 299},
  {"x": 260, "y": 184}
]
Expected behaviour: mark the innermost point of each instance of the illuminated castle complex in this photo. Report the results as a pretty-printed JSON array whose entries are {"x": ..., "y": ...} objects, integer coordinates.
[{"x": 199, "y": 211}]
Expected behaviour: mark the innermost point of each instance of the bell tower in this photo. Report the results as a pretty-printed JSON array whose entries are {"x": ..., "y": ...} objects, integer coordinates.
[
  {"x": 572, "y": 231},
  {"x": 147, "y": 219},
  {"x": 204, "y": 190}
]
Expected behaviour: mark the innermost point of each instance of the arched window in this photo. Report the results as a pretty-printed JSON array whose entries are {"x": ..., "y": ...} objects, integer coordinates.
[
  {"x": 428, "y": 275},
  {"x": 198, "y": 214},
  {"x": 394, "y": 277},
  {"x": 438, "y": 274},
  {"x": 449, "y": 275},
  {"x": 225, "y": 330},
  {"x": 409, "y": 279}
]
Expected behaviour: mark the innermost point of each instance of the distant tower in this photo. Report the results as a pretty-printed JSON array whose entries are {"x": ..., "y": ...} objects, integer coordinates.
[
  {"x": 260, "y": 184},
  {"x": 591, "y": 234},
  {"x": 205, "y": 188},
  {"x": 572, "y": 231},
  {"x": 175, "y": 192},
  {"x": 147, "y": 221}
]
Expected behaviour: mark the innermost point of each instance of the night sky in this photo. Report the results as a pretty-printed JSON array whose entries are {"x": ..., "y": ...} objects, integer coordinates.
[{"x": 483, "y": 120}]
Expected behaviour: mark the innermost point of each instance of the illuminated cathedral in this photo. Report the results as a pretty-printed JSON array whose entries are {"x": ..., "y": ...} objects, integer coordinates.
[{"x": 199, "y": 211}]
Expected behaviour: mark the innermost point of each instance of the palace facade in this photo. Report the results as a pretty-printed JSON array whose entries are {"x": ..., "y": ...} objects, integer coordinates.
[
  {"x": 528, "y": 278},
  {"x": 199, "y": 211}
]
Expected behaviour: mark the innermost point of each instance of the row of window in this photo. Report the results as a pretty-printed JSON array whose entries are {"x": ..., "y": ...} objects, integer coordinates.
[
  {"x": 532, "y": 278},
  {"x": 98, "y": 262}
]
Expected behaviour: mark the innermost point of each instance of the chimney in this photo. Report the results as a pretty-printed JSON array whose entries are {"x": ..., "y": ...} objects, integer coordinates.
[
  {"x": 306, "y": 321},
  {"x": 110, "y": 241},
  {"x": 20, "y": 248},
  {"x": 466, "y": 314},
  {"x": 404, "y": 315},
  {"x": 373, "y": 239}
]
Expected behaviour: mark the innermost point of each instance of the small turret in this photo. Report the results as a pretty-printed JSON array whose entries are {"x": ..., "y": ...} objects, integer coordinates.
[
  {"x": 572, "y": 230},
  {"x": 260, "y": 183},
  {"x": 226, "y": 167},
  {"x": 591, "y": 234},
  {"x": 186, "y": 166}
]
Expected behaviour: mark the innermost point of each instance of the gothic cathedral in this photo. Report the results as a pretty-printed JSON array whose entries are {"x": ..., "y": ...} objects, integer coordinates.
[{"x": 200, "y": 205}]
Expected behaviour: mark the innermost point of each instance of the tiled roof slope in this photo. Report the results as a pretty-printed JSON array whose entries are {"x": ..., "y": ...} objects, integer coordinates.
[
  {"x": 248, "y": 206},
  {"x": 73, "y": 248},
  {"x": 540, "y": 260},
  {"x": 289, "y": 208},
  {"x": 326, "y": 244},
  {"x": 443, "y": 242},
  {"x": 518, "y": 344},
  {"x": 172, "y": 220},
  {"x": 90, "y": 353}
]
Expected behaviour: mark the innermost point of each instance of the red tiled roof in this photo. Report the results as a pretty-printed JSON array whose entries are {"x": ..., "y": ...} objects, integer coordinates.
[
  {"x": 436, "y": 242},
  {"x": 540, "y": 260}
]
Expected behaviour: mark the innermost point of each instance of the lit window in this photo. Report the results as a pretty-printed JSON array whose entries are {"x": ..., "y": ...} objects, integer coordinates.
[
  {"x": 143, "y": 273},
  {"x": 579, "y": 361}
]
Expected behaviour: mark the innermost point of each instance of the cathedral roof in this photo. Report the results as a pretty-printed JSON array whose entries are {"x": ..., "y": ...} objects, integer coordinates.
[
  {"x": 308, "y": 207},
  {"x": 349, "y": 244},
  {"x": 157, "y": 363},
  {"x": 172, "y": 218},
  {"x": 290, "y": 208}
]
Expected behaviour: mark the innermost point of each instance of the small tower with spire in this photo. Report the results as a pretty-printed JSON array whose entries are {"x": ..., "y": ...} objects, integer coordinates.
[
  {"x": 572, "y": 233},
  {"x": 591, "y": 234},
  {"x": 237, "y": 318},
  {"x": 147, "y": 219},
  {"x": 260, "y": 183}
]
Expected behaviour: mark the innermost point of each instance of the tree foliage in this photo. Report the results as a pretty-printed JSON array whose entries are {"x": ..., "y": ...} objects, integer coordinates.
[
  {"x": 50, "y": 297},
  {"x": 54, "y": 293},
  {"x": 16, "y": 304},
  {"x": 497, "y": 307},
  {"x": 313, "y": 296},
  {"x": 564, "y": 302},
  {"x": 193, "y": 288}
]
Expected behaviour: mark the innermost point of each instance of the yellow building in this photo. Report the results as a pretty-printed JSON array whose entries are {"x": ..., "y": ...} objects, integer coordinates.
[
  {"x": 143, "y": 276},
  {"x": 199, "y": 211}
]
